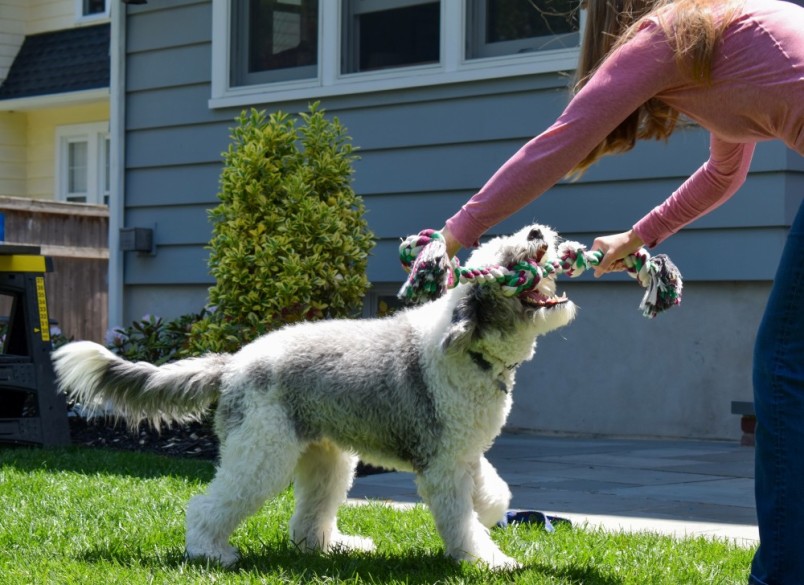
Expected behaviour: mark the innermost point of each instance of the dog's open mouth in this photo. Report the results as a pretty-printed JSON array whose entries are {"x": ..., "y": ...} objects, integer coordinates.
[
  {"x": 535, "y": 298},
  {"x": 544, "y": 294}
]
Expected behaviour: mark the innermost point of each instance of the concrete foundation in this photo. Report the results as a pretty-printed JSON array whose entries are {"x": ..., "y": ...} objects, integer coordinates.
[{"x": 614, "y": 372}]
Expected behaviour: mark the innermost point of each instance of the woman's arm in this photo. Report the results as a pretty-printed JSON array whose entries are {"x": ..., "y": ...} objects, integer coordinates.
[
  {"x": 710, "y": 186},
  {"x": 637, "y": 72}
]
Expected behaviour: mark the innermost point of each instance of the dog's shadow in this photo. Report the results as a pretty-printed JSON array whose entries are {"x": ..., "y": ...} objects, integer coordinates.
[
  {"x": 285, "y": 560},
  {"x": 415, "y": 567}
]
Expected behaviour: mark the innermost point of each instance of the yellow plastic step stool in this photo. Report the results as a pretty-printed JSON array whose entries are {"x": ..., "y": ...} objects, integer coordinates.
[{"x": 31, "y": 409}]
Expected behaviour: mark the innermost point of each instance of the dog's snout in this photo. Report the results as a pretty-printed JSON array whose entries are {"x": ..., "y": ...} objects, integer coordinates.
[{"x": 535, "y": 234}]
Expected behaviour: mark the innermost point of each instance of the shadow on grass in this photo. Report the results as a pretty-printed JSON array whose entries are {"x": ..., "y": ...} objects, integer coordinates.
[
  {"x": 286, "y": 562},
  {"x": 92, "y": 461},
  {"x": 579, "y": 575}
]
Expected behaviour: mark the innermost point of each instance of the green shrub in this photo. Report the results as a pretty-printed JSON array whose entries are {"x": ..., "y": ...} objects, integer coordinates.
[
  {"x": 289, "y": 239},
  {"x": 153, "y": 339}
]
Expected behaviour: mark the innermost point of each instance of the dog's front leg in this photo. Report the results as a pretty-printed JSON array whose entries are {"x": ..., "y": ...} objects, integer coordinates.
[
  {"x": 491, "y": 496},
  {"x": 448, "y": 491}
]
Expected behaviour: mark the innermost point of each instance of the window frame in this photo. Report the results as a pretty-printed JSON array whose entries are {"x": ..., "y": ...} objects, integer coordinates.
[
  {"x": 97, "y": 137},
  {"x": 350, "y": 31},
  {"x": 454, "y": 66},
  {"x": 82, "y": 18},
  {"x": 476, "y": 24},
  {"x": 375, "y": 294},
  {"x": 239, "y": 63}
]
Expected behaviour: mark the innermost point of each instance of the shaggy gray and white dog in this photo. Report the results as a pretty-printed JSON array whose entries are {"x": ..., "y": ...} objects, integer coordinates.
[{"x": 426, "y": 390}]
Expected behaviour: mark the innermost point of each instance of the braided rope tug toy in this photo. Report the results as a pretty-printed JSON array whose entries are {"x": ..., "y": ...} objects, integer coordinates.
[{"x": 432, "y": 272}]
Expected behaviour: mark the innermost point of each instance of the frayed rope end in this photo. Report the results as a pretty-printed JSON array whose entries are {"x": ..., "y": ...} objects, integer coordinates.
[
  {"x": 431, "y": 270},
  {"x": 664, "y": 287}
]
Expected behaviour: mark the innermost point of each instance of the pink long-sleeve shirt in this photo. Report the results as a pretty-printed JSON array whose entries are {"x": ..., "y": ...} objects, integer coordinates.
[{"x": 757, "y": 93}]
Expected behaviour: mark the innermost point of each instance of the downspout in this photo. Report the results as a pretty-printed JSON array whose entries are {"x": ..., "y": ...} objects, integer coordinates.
[{"x": 117, "y": 131}]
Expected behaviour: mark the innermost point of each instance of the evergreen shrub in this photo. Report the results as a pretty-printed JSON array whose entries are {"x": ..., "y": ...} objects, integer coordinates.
[{"x": 290, "y": 241}]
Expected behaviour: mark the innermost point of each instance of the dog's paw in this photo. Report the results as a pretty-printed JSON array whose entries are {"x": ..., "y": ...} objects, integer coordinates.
[
  {"x": 494, "y": 561},
  {"x": 226, "y": 556},
  {"x": 501, "y": 562},
  {"x": 350, "y": 542}
]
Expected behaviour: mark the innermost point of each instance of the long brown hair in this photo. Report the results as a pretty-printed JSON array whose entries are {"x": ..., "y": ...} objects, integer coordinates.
[{"x": 694, "y": 32}]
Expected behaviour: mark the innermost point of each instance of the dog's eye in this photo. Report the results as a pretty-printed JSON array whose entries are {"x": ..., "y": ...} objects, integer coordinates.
[{"x": 535, "y": 234}]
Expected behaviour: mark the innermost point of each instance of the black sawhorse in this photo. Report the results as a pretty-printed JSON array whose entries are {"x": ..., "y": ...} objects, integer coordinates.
[{"x": 31, "y": 410}]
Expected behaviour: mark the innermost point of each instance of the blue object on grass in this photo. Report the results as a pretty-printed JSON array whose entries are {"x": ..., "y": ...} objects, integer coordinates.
[{"x": 532, "y": 517}]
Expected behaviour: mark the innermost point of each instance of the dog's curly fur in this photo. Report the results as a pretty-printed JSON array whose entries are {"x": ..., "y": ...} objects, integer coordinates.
[{"x": 426, "y": 390}]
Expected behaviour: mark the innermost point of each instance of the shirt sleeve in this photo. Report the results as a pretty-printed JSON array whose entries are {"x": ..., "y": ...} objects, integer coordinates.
[
  {"x": 635, "y": 73},
  {"x": 709, "y": 187}
]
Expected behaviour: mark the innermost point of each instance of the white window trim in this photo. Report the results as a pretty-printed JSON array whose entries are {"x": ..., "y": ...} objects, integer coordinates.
[
  {"x": 95, "y": 135},
  {"x": 454, "y": 67},
  {"x": 80, "y": 18}
]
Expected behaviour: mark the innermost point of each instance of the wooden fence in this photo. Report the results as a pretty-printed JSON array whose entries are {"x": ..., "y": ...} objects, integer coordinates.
[{"x": 75, "y": 237}]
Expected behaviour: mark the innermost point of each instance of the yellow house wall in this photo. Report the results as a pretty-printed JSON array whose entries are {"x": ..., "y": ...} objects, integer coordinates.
[
  {"x": 41, "y": 149},
  {"x": 49, "y": 15},
  {"x": 13, "y": 154},
  {"x": 13, "y": 16}
]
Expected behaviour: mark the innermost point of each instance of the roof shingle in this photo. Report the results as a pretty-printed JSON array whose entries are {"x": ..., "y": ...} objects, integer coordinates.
[{"x": 59, "y": 62}]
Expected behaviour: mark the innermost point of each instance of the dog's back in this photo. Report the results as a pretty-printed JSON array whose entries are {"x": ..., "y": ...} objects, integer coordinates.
[{"x": 364, "y": 384}]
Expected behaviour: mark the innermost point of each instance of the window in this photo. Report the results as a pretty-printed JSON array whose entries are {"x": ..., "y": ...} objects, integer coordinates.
[
  {"x": 507, "y": 27},
  {"x": 379, "y": 34},
  {"x": 279, "y": 41},
  {"x": 381, "y": 301},
  {"x": 267, "y": 51},
  {"x": 82, "y": 163},
  {"x": 92, "y": 9},
  {"x": 77, "y": 169}
]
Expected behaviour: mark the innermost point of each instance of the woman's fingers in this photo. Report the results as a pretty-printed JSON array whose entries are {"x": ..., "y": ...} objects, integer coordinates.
[{"x": 615, "y": 247}]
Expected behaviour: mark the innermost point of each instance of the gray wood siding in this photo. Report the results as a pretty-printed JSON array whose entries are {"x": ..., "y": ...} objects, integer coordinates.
[{"x": 423, "y": 152}]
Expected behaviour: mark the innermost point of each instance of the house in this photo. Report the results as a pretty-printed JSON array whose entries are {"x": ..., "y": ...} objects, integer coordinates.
[
  {"x": 437, "y": 94},
  {"x": 54, "y": 100},
  {"x": 54, "y": 148}
]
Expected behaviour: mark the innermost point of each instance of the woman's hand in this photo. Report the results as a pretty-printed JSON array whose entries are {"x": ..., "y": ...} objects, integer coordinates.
[
  {"x": 453, "y": 245},
  {"x": 615, "y": 247}
]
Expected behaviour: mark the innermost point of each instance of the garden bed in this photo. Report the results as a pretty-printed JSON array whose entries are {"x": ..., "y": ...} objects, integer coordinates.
[{"x": 195, "y": 440}]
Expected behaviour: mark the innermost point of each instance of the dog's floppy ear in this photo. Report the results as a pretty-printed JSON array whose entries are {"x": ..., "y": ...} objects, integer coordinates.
[{"x": 462, "y": 327}]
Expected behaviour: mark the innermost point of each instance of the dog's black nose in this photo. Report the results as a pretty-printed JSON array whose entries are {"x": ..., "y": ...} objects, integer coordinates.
[{"x": 535, "y": 234}]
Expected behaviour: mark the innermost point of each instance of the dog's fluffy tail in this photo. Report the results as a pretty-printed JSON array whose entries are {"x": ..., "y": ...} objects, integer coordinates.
[{"x": 175, "y": 392}]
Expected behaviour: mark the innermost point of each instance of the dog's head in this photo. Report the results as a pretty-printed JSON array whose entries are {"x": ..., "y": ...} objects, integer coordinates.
[{"x": 486, "y": 310}]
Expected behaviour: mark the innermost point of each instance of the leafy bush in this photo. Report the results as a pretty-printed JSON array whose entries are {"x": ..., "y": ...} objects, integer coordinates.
[
  {"x": 57, "y": 337},
  {"x": 289, "y": 239},
  {"x": 153, "y": 339}
]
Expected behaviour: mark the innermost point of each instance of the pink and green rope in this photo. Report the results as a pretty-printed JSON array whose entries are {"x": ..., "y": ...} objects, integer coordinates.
[{"x": 432, "y": 273}]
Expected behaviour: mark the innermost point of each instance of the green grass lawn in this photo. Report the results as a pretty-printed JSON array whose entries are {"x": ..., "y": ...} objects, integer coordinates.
[{"x": 92, "y": 516}]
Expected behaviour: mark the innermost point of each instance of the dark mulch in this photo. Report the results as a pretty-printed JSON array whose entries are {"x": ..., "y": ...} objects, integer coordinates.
[{"x": 195, "y": 440}]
